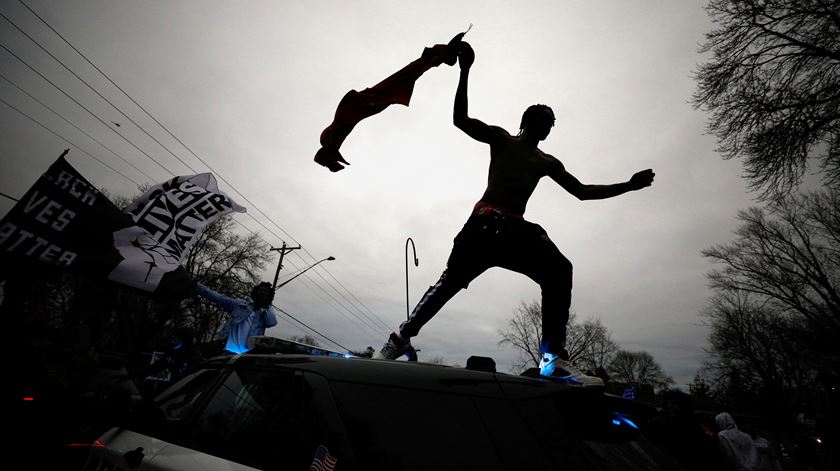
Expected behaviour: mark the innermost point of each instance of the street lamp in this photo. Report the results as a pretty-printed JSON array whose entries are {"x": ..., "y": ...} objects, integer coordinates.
[
  {"x": 416, "y": 263},
  {"x": 303, "y": 271}
]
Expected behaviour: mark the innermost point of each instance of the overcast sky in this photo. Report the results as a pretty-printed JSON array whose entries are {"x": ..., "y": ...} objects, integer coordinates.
[{"x": 249, "y": 86}]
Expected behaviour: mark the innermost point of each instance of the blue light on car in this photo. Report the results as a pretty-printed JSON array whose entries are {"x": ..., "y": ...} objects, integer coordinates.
[
  {"x": 237, "y": 350},
  {"x": 630, "y": 423},
  {"x": 619, "y": 419},
  {"x": 347, "y": 355}
]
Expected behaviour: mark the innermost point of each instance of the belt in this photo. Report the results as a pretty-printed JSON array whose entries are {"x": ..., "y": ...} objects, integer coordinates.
[{"x": 483, "y": 208}]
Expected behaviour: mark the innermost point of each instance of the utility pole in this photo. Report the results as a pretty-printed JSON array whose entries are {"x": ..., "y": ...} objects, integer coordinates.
[{"x": 283, "y": 251}]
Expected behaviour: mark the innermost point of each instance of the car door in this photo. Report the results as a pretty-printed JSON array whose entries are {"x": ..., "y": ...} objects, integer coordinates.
[
  {"x": 152, "y": 428},
  {"x": 259, "y": 418}
]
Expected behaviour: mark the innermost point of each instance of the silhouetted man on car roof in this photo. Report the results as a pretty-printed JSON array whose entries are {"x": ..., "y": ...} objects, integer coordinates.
[{"x": 497, "y": 235}]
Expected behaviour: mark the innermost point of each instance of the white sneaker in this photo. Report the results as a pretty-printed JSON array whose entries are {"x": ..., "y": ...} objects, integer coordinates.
[
  {"x": 394, "y": 348},
  {"x": 553, "y": 366}
]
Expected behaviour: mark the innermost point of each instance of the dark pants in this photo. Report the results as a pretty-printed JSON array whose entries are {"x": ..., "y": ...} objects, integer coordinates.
[{"x": 497, "y": 240}]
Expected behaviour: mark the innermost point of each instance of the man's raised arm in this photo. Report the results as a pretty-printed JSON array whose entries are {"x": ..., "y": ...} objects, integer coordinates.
[
  {"x": 474, "y": 128},
  {"x": 596, "y": 192},
  {"x": 227, "y": 304}
]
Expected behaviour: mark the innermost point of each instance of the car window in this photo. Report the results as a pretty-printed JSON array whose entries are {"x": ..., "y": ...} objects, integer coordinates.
[
  {"x": 177, "y": 399},
  {"x": 552, "y": 418},
  {"x": 404, "y": 429},
  {"x": 162, "y": 416},
  {"x": 264, "y": 419}
]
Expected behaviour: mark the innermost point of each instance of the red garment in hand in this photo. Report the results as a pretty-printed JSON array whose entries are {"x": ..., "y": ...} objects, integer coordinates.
[{"x": 356, "y": 106}]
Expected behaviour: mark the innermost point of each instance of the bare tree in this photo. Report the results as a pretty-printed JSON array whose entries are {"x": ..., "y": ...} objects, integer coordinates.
[
  {"x": 775, "y": 313},
  {"x": 788, "y": 258},
  {"x": 589, "y": 343},
  {"x": 772, "y": 86},
  {"x": 366, "y": 353},
  {"x": 524, "y": 334},
  {"x": 305, "y": 339},
  {"x": 435, "y": 360},
  {"x": 759, "y": 353},
  {"x": 638, "y": 367}
]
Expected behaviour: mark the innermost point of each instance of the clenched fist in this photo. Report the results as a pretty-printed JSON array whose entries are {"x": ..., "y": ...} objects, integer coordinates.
[{"x": 642, "y": 179}]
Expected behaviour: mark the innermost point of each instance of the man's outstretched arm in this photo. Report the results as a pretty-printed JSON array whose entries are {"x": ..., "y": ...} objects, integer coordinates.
[
  {"x": 227, "y": 304},
  {"x": 474, "y": 128},
  {"x": 582, "y": 191}
]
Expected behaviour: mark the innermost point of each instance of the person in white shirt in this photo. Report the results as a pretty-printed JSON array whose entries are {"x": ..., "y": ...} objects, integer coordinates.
[{"x": 247, "y": 318}]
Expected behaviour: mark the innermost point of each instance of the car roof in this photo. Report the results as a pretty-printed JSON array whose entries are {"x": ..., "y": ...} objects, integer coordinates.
[{"x": 401, "y": 374}]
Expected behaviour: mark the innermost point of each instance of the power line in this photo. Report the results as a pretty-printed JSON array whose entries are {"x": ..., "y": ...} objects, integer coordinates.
[
  {"x": 77, "y": 127},
  {"x": 310, "y": 328},
  {"x": 363, "y": 321},
  {"x": 357, "y": 321},
  {"x": 9, "y": 197},
  {"x": 381, "y": 323},
  {"x": 309, "y": 278},
  {"x": 196, "y": 156},
  {"x": 68, "y": 142},
  {"x": 85, "y": 108},
  {"x": 94, "y": 90}
]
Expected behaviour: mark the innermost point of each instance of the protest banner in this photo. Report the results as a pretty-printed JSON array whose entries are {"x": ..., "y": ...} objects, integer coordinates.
[
  {"x": 64, "y": 222},
  {"x": 176, "y": 212}
]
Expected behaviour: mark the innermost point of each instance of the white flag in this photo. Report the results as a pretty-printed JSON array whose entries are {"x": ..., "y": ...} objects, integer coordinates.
[{"x": 169, "y": 218}]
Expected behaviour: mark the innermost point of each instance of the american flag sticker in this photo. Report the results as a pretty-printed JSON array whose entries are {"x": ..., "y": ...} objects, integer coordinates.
[{"x": 323, "y": 460}]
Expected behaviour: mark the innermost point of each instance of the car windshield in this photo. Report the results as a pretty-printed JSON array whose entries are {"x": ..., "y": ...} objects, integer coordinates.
[{"x": 176, "y": 400}]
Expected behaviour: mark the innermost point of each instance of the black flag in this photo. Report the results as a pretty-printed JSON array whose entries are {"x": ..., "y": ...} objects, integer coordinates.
[{"x": 65, "y": 222}]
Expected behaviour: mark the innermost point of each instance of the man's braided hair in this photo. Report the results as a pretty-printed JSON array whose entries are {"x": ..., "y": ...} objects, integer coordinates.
[{"x": 535, "y": 113}]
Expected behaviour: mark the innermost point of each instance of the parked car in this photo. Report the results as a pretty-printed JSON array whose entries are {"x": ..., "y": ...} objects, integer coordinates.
[{"x": 287, "y": 406}]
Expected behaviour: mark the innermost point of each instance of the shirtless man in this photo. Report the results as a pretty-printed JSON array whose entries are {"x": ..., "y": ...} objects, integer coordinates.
[{"x": 497, "y": 235}]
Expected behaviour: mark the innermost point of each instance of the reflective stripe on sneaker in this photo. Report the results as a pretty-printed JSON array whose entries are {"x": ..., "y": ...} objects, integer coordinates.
[
  {"x": 555, "y": 367},
  {"x": 394, "y": 348}
]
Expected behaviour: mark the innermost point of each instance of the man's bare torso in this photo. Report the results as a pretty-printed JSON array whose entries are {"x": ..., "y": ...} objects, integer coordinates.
[{"x": 515, "y": 169}]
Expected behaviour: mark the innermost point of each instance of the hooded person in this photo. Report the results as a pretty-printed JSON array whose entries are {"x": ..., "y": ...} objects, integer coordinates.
[
  {"x": 737, "y": 446},
  {"x": 247, "y": 318}
]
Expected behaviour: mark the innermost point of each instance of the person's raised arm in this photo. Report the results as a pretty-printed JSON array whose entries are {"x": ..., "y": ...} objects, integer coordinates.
[
  {"x": 596, "y": 192},
  {"x": 474, "y": 128},
  {"x": 224, "y": 302}
]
